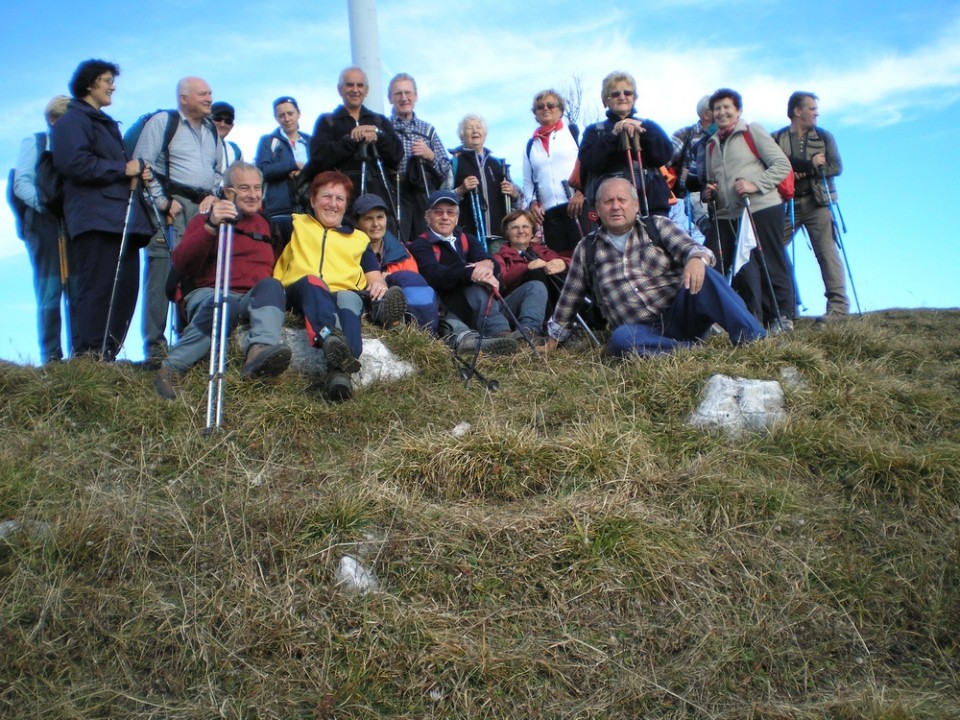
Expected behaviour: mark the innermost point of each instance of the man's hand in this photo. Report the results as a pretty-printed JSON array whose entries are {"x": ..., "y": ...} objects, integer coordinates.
[
  {"x": 709, "y": 191},
  {"x": 549, "y": 346},
  {"x": 364, "y": 133},
  {"x": 208, "y": 202},
  {"x": 421, "y": 150},
  {"x": 222, "y": 211},
  {"x": 693, "y": 274},
  {"x": 819, "y": 160}
]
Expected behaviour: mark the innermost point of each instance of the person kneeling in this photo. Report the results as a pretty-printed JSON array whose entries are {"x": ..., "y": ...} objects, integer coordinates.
[
  {"x": 253, "y": 295},
  {"x": 653, "y": 284}
]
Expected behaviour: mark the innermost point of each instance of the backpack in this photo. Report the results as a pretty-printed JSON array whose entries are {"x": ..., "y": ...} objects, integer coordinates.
[
  {"x": 464, "y": 246},
  {"x": 133, "y": 133},
  {"x": 18, "y": 206},
  {"x": 49, "y": 183},
  {"x": 786, "y": 186}
]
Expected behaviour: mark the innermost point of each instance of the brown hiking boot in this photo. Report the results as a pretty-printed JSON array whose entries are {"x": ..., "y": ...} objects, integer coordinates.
[
  {"x": 265, "y": 360},
  {"x": 167, "y": 382}
]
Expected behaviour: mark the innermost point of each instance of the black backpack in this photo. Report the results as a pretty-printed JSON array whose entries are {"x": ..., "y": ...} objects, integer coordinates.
[{"x": 49, "y": 184}]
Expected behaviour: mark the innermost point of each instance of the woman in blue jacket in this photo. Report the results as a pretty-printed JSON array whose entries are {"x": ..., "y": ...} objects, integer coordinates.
[{"x": 88, "y": 151}]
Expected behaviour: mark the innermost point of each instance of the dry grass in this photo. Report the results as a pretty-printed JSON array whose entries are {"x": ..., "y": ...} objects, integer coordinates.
[{"x": 579, "y": 553}]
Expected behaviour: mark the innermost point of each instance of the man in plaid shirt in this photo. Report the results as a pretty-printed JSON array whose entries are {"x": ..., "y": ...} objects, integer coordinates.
[{"x": 655, "y": 286}]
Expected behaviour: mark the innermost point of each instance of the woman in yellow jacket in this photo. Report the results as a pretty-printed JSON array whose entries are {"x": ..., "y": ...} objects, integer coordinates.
[{"x": 324, "y": 269}]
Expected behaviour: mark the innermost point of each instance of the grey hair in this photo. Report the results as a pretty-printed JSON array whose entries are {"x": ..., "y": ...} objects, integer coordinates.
[
  {"x": 467, "y": 118},
  {"x": 237, "y": 167},
  {"x": 56, "y": 108},
  {"x": 397, "y": 78}
]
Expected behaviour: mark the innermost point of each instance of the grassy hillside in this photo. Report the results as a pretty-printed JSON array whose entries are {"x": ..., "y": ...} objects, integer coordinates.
[{"x": 579, "y": 553}]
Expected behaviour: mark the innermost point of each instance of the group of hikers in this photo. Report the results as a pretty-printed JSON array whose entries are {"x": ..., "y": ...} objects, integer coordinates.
[{"x": 656, "y": 239}]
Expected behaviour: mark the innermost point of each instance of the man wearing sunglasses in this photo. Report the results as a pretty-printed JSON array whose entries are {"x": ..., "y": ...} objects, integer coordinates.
[
  {"x": 603, "y": 154},
  {"x": 224, "y": 117}
]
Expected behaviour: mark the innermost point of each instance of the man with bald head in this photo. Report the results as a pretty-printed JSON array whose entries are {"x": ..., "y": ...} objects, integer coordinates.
[
  {"x": 185, "y": 151},
  {"x": 655, "y": 286},
  {"x": 350, "y": 136}
]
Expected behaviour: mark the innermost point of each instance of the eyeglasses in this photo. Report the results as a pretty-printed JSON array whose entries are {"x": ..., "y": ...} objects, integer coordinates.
[
  {"x": 625, "y": 93},
  {"x": 520, "y": 228},
  {"x": 546, "y": 106},
  {"x": 107, "y": 80},
  {"x": 223, "y": 119}
]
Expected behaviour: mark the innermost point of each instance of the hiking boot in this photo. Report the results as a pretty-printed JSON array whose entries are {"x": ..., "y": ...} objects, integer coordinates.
[
  {"x": 833, "y": 316},
  {"x": 153, "y": 358},
  {"x": 167, "y": 382},
  {"x": 338, "y": 386},
  {"x": 265, "y": 360},
  {"x": 392, "y": 309},
  {"x": 780, "y": 328},
  {"x": 490, "y": 345},
  {"x": 338, "y": 354}
]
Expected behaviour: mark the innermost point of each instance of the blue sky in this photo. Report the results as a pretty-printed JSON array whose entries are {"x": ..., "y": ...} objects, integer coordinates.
[{"x": 887, "y": 73}]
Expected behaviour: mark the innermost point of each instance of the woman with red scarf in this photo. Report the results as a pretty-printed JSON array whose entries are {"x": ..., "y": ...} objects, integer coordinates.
[{"x": 547, "y": 164}]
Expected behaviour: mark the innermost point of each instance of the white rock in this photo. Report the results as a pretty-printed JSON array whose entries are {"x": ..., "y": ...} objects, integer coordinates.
[
  {"x": 736, "y": 405},
  {"x": 354, "y": 577},
  {"x": 376, "y": 362},
  {"x": 461, "y": 429}
]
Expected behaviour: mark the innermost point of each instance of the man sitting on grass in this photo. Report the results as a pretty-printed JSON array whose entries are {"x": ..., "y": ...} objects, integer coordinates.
[
  {"x": 254, "y": 294},
  {"x": 655, "y": 286}
]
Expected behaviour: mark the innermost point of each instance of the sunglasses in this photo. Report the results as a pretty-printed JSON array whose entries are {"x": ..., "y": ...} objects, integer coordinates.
[
  {"x": 546, "y": 106},
  {"x": 224, "y": 119},
  {"x": 617, "y": 93}
]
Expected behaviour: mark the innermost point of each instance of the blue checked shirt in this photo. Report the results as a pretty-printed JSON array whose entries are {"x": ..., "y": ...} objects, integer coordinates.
[{"x": 416, "y": 129}]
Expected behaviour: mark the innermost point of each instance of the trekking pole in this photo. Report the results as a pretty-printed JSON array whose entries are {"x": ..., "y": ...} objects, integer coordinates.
[
  {"x": 570, "y": 192},
  {"x": 478, "y": 218},
  {"x": 763, "y": 264},
  {"x": 465, "y": 372},
  {"x": 364, "y": 157},
  {"x": 635, "y": 142},
  {"x": 507, "y": 200},
  {"x": 124, "y": 237},
  {"x": 168, "y": 236},
  {"x": 386, "y": 186},
  {"x": 526, "y": 255},
  {"x": 472, "y": 369},
  {"x": 423, "y": 176},
  {"x": 834, "y": 214},
  {"x": 625, "y": 145},
  {"x": 65, "y": 282},
  {"x": 523, "y": 331},
  {"x": 716, "y": 229},
  {"x": 219, "y": 330}
]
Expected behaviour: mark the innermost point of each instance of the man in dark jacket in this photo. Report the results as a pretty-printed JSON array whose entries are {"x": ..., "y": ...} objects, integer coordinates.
[
  {"x": 464, "y": 275},
  {"x": 352, "y": 137},
  {"x": 253, "y": 292}
]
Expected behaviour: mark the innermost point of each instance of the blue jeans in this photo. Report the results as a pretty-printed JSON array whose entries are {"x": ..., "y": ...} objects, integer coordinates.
[{"x": 688, "y": 319}]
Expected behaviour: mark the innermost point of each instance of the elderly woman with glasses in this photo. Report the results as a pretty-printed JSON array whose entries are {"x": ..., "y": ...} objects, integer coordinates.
[
  {"x": 603, "y": 155},
  {"x": 548, "y": 162},
  {"x": 522, "y": 258}
]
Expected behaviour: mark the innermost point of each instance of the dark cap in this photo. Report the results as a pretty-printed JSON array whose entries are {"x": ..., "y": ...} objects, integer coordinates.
[
  {"x": 285, "y": 99},
  {"x": 368, "y": 202},
  {"x": 222, "y": 109},
  {"x": 439, "y": 196}
]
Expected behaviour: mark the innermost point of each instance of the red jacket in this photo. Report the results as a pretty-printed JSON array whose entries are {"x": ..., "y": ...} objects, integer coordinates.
[
  {"x": 252, "y": 258},
  {"x": 513, "y": 266}
]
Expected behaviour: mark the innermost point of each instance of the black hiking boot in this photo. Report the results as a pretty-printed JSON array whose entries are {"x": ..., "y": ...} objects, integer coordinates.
[
  {"x": 338, "y": 387},
  {"x": 338, "y": 354},
  {"x": 167, "y": 383}
]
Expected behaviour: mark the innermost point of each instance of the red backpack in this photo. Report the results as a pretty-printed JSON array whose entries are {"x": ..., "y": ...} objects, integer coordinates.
[{"x": 786, "y": 186}]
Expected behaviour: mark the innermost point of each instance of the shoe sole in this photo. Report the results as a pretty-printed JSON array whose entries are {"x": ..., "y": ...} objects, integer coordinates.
[
  {"x": 272, "y": 362},
  {"x": 394, "y": 308},
  {"x": 498, "y": 346},
  {"x": 339, "y": 356}
]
